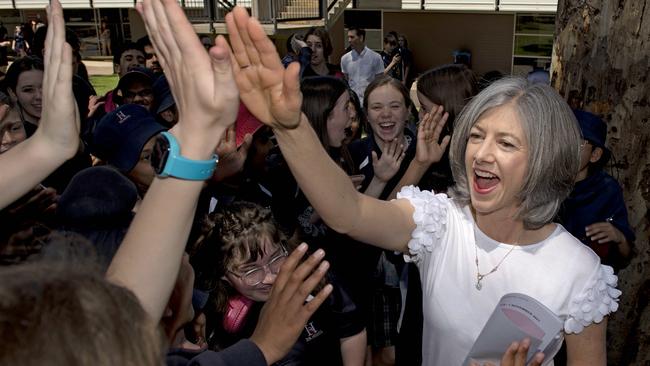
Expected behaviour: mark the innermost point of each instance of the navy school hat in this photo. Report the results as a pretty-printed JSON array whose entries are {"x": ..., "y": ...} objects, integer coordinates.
[
  {"x": 121, "y": 135},
  {"x": 97, "y": 196},
  {"x": 137, "y": 73},
  {"x": 594, "y": 130}
]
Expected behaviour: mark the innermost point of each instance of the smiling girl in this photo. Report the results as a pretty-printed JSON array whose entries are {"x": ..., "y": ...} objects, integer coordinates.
[
  {"x": 24, "y": 83},
  {"x": 239, "y": 254}
]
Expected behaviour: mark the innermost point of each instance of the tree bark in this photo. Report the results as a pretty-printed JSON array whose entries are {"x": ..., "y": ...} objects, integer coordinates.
[{"x": 600, "y": 64}]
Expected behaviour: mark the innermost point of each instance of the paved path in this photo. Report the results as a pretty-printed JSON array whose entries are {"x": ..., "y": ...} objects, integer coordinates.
[{"x": 99, "y": 67}]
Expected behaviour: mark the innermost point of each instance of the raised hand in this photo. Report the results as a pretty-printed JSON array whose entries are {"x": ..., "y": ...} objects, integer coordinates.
[
  {"x": 94, "y": 102},
  {"x": 388, "y": 165},
  {"x": 288, "y": 309},
  {"x": 428, "y": 150},
  {"x": 59, "y": 124},
  {"x": 269, "y": 91},
  {"x": 202, "y": 83}
]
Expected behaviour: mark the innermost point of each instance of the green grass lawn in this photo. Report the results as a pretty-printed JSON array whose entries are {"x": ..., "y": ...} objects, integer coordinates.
[{"x": 103, "y": 83}]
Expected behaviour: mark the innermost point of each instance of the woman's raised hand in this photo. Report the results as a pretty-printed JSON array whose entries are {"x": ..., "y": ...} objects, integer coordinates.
[
  {"x": 202, "y": 83},
  {"x": 428, "y": 150},
  {"x": 269, "y": 91},
  {"x": 59, "y": 123}
]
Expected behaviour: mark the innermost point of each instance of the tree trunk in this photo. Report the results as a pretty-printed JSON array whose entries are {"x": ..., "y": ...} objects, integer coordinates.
[{"x": 600, "y": 64}]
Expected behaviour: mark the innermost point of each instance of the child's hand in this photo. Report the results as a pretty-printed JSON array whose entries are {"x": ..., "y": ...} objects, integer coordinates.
[
  {"x": 604, "y": 232},
  {"x": 428, "y": 149},
  {"x": 287, "y": 311}
]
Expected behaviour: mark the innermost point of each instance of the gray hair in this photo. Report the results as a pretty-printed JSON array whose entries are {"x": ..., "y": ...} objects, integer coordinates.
[{"x": 554, "y": 146}]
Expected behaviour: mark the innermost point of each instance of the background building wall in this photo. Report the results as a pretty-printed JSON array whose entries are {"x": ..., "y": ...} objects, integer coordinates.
[{"x": 434, "y": 36}]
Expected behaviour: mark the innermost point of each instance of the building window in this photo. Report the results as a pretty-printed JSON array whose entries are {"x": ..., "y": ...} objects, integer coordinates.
[{"x": 533, "y": 42}]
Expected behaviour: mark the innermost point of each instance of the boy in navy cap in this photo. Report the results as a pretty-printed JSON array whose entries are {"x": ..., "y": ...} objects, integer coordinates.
[
  {"x": 124, "y": 139},
  {"x": 136, "y": 87},
  {"x": 595, "y": 212}
]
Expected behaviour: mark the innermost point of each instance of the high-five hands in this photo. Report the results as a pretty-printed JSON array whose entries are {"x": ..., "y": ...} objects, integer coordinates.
[
  {"x": 59, "y": 124},
  {"x": 202, "y": 83},
  {"x": 269, "y": 91}
]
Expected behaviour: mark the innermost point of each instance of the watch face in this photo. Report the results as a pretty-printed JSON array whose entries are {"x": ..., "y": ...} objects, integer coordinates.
[{"x": 160, "y": 154}]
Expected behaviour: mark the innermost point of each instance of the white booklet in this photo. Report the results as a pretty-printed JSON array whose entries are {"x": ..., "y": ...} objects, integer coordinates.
[{"x": 518, "y": 316}]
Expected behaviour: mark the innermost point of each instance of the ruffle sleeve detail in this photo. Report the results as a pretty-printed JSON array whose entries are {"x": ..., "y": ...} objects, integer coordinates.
[
  {"x": 595, "y": 302},
  {"x": 430, "y": 216}
]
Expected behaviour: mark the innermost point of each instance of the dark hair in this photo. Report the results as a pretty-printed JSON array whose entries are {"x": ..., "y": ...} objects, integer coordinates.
[
  {"x": 488, "y": 78},
  {"x": 19, "y": 66},
  {"x": 361, "y": 115},
  {"x": 38, "y": 44},
  {"x": 451, "y": 86},
  {"x": 144, "y": 41},
  {"x": 382, "y": 80},
  {"x": 359, "y": 31},
  {"x": 319, "y": 96},
  {"x": 126, "y": 47},
  {"x": 233, "y": 232},
  {"x": 321, "y": 33},
  {"x": 390, "y": 38}
]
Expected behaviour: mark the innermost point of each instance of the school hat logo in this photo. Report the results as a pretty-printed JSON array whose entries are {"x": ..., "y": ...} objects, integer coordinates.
[{"x": 121, "y": 117}]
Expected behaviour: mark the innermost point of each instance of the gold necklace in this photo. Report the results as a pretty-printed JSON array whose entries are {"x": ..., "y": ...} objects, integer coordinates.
[{"x": 480, "y": 276}]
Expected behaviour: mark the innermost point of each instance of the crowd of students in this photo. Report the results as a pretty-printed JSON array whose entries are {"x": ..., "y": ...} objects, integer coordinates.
[{"x": 166, "y": 221}]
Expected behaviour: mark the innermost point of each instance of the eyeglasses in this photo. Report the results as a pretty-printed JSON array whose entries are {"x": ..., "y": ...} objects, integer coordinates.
[
  {"x": 255, "y": 276},
  {"x": 144, "y": 93}
]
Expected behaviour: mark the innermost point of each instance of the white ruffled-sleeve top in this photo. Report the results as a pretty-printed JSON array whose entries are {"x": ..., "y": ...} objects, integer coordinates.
[{"x": 560, "y": 272}]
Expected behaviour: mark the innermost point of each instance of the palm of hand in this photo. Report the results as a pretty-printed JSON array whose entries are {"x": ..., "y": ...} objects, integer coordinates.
[
  {"x": 261, "y": 89},
  {"x": 269, "y": 91},
  {"x": 386, "y": 167}
]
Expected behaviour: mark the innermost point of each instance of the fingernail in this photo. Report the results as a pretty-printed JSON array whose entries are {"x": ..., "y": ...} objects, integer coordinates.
[
  {"x": 302, "y": 247},
  {"x": 324, "y": 266},
  {"x": 319, "y": 253}
]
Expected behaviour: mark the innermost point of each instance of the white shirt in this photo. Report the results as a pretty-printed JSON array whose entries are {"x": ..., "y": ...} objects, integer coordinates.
[
  {"x": 560, "y": 272},
  {"x": 361, "y": 69}
]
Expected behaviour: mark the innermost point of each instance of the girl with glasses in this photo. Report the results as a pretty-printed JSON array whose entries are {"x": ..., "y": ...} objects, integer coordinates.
[{"x": 238, "y": 254}]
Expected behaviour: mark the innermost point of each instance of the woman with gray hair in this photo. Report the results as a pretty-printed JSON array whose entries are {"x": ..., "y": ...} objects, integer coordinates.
[{"x": 514, "y": 156}]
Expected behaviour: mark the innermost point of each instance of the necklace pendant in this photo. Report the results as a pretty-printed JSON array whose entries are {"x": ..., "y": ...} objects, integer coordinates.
[{"x": 479, "y": 278}]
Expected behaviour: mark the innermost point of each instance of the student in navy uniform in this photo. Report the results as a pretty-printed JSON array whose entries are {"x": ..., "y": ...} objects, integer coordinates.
[{"x": 595, "y": 211}]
